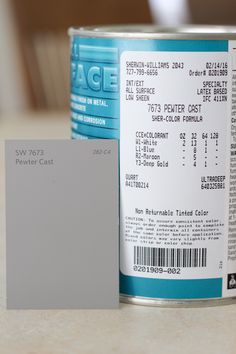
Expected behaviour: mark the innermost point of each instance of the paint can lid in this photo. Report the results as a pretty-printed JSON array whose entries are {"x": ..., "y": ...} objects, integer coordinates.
[{"x": 156, "y": 32}]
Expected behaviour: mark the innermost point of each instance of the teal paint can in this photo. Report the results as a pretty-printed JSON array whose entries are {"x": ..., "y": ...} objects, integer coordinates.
[{"x": 168, "y": 95}]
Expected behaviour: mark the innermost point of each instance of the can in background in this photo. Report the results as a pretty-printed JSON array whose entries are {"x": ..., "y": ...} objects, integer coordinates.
[{"x": 169, "y": 95}]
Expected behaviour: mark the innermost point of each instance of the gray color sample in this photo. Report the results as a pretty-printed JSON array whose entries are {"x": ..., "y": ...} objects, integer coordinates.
[{"x": 62, "y": 224}]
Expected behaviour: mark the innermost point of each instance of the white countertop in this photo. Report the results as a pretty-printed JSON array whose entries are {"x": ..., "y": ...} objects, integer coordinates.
[{"x": 131, "y": 329}]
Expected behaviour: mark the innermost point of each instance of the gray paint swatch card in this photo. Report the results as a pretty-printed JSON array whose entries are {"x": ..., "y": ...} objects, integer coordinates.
[{"x": 62, "y": 224}]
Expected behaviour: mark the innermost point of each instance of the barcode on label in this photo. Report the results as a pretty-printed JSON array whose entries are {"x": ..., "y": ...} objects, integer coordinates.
[{"x": 170, "y": 257}]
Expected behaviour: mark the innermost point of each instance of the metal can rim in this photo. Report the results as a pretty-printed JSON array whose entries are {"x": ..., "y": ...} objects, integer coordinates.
[{"x": 156, "y": 32}]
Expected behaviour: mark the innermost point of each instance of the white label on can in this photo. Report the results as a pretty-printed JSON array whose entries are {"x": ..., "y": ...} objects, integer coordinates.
[{"x": 176, "y": 151}]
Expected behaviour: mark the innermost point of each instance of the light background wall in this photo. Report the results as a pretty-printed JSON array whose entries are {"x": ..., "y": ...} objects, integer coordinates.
[{"x": 12, "y": 86}]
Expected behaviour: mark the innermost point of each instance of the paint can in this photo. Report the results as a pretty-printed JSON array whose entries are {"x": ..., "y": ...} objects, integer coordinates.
[{"x": 169, "y": 96}]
